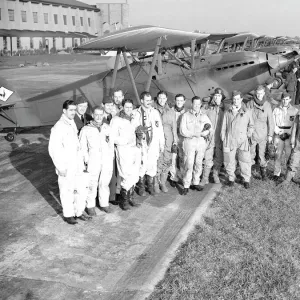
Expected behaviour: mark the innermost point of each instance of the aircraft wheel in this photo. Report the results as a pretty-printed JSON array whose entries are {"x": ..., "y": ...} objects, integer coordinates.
[{"x": 10, "y": 137}]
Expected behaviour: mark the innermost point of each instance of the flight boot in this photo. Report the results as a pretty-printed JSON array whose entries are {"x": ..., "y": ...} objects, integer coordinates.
[
  {"x": 125, "y": 199},
  {"x": 205, "y": 177},
  {"x": 141, "y": 186},
  {"x": 263, "y": 172},
  {"x": 150, "y": 185},
  {"x": 131, "y": 198},
  {"x": 288, "y": 178},
  {"x": 156, "y": 184},
  {"x": 163, "y": 181},
  {"x": 70, "y": 220}
]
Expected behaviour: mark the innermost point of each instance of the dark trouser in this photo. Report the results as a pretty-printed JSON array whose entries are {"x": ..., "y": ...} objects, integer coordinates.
[
  {"x": 297, "y": 100},
  {"x": 293, "y": 96},
  {"x": 113, "y": 182}
]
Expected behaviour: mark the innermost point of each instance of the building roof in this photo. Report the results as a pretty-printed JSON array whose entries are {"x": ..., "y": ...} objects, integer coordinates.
[
  {"x": 47, "y": 34},
  {"x": 71, "y": 3}
]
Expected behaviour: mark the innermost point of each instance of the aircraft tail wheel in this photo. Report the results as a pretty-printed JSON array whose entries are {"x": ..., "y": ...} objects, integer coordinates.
[{"x": 10, "y": 137}]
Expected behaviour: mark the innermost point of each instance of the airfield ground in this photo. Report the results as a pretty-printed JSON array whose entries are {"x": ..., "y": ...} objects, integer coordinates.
[
  {"x": 63, "y": 69},
  {"x": 115, "y": 256}
]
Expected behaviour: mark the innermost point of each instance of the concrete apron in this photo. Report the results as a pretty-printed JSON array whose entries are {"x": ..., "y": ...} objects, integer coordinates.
[{"x": 121, "y": 255}]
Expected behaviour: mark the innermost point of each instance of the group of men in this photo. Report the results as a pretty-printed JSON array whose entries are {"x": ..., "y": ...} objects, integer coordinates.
[{"x": 121, "y": 149}]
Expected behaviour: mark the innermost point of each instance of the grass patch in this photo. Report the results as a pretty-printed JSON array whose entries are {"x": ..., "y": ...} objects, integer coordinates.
[{"x": 246, "y": 247}]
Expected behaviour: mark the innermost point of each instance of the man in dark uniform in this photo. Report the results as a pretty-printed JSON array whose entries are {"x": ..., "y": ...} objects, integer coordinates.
[
  {"x": 81, "y": 117},
  {"x": 108, "y": 104},
  {"x": 291, "y": 83}
]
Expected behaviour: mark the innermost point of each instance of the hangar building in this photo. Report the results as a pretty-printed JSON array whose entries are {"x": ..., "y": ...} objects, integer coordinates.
[{"x": 57, "y": 24}]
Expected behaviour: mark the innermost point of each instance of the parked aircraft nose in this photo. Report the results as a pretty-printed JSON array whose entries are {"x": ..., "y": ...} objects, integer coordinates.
[{"x": 277, "y": 62}]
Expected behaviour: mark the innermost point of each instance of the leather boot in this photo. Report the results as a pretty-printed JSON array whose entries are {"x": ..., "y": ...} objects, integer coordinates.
[
  {"x": 156, "y": 184},
  {"x": 205, "y": 177},
  {"x": 141, "y": 186},
  {"x": 125, "y": 199},
  {"x": 163, "y": 181},
  {"x": 253, "y": 169},
  {"x": 263, "y": 172},
  {"x": 150, "y": 184},
  {"x": 131, "y": 199},
  {"x": 216, "y": 175},
  {"x": 288, "y": 178}
]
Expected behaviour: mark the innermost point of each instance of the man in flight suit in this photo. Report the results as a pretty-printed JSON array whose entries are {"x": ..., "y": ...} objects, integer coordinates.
[
  {"x": 153, "y": 143},
  {"x": 98, "y": 152},
  {"x": 236, "y": 131},
  {"x": 193, "y": 129},
  {"x": 263, "y": 127},
  {"x": 128, "y": 155},
  {"x": 214, "y": 153},
  {"x": 64, "y": 149},
  {"x": 170, "y": 131},
  {"x": 294, "y": 161},
  {"x": 284, "y": 117}
]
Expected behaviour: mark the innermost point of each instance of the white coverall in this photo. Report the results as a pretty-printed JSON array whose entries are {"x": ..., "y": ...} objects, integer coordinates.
[
  {"x": 98, "y": 152},
  {"x": 64, "y": 149},
  {"x": 128, "y": 155},
  {"x": 284, "y": 118},
  {"x": 150, "y": 153},
  {"x": 193, "y": 147}
]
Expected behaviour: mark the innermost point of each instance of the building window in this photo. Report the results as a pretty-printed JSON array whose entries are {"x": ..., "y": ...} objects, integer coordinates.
[
  {"x": 73, "y": 20},
  {"x": 46, "y": 18},
  {"x": 11, "y": 15},
  {"x": 19, "y": 46},
  {"x": 55, "y": 19},
  {"x": 89, "y": 21},
  {"x": 63, "y": 43},
  {"x": 31, "y": 43},
  {"x": 65, "y": 19},
  {"x": 23, "y": 15},
  {"x": 81, "y": 21},
  {"x": 35, "y": 17}
]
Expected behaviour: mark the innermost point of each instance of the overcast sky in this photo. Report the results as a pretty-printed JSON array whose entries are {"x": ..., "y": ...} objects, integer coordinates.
[{"x": 272, "y": 17}]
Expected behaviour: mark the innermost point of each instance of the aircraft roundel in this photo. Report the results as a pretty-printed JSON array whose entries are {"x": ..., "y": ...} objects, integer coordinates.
[{"x": 5, "y": 93}]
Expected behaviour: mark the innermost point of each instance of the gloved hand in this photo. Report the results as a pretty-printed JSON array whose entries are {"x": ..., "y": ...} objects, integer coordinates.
[
  {"x": 270, "y": 139},
  {"x": 284, "y": 136},
  {"x": 270, "y": 151},
  {"x": 174, "y": 148}
]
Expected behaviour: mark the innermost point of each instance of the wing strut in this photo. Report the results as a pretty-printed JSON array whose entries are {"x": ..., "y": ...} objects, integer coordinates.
[
  {"x": 153, "y": 63},
  {"x": 114, "y": 77},
  {"x": 193, "y": 44},
  {"x": 131, "y": 77}
]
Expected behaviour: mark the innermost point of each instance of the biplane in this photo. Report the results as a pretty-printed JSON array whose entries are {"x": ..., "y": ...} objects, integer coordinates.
[{"x": 177, "y": 62}]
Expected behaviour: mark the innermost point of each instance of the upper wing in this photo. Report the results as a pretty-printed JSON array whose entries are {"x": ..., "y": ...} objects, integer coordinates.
[
  {"x": 241, "y": 37},
  {"x": 144, "y": 38}
]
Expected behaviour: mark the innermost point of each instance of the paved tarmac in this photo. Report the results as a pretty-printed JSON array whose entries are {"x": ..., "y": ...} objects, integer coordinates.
[{"x": 112, "y": 257}]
